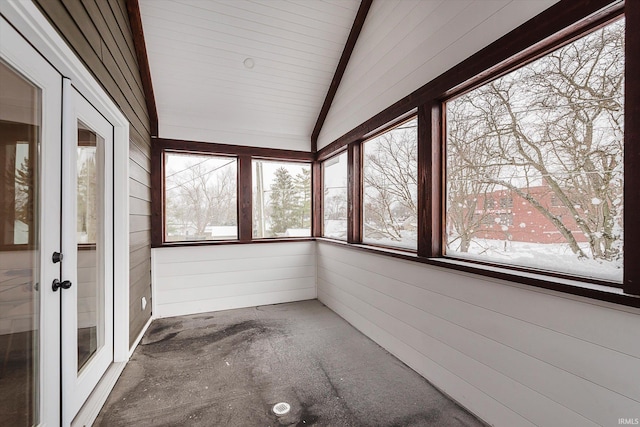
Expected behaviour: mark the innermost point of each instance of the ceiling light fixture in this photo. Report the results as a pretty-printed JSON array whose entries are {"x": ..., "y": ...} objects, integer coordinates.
[{"x": 249, "y": 63}]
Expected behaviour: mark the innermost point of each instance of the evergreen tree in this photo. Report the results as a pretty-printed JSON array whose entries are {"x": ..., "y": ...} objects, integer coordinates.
[
  {"x": 303, "y": 198},
  {"x": 87, "y": 212},
  {"x": 23, "y": 184},
  {"x": 283, "y": 201}
]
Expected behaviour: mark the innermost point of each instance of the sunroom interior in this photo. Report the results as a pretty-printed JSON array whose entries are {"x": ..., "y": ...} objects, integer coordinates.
[{"x": 454, "y": 180}]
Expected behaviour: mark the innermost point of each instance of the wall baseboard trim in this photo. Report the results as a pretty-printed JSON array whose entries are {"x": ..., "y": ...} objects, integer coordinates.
[{"x": 140, "y": 335}]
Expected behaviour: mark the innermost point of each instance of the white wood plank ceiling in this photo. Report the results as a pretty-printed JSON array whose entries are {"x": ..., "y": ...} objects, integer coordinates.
[
  {"x": 245, "y": 72},
  {"x": 204, "y": 91}
]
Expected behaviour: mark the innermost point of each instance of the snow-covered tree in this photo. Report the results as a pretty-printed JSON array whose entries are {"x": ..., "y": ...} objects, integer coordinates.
[
  {"x": 390, "y": 180},
  {"x": 557, "y": 121}
]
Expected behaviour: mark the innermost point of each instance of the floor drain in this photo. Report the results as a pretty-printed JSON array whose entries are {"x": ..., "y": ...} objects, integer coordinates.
[{"x": 281, "y": 408}]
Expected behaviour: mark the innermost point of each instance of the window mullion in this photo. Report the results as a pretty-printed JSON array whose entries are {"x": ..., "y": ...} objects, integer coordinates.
[
  {"x": 354, "y": 180},
  {"x": 631, "y": 279},
  {"x": 245, "y": 199},
  {"x": 317, "y": 209},
  {"x": 157, "y": 195},
  {"x": 430, "y": 172}
]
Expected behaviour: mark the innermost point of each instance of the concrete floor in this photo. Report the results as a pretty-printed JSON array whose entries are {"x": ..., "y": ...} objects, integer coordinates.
[{"x": 229, "y": 369}]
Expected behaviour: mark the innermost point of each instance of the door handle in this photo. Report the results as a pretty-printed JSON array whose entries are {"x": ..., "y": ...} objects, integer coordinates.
[
  {"x": 57, "y": 284},
  {"x": 56, "y": 257}
]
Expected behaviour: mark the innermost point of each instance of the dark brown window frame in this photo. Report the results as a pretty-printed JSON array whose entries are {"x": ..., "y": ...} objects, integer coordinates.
[
  {"x": 244, "y": 156},
  {"x": 239, "y": 211},
  {"x": 387, "y": 128},
  {"x": 282, "y": 160},
  {"x": 558, "y": 25},
  {"x": 319, "y": 212},
  {"x": 605, "y": 18}
]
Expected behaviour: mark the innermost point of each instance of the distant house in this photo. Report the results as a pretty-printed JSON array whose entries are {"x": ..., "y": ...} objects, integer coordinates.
[{"x": 505, "y": 215}]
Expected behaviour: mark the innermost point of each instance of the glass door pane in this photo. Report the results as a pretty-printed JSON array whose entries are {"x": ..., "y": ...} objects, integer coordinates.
[
  {"x": 90, "y": 195},
  {"x": 20, "y": 123}
]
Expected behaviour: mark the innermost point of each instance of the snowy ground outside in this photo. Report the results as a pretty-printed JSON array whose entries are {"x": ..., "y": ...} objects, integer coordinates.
[
  {"x": 408, "y": 240},
  {"x": 555, "y": 257},
  {"x": 548, "y": 257},
  {"x": 335, "y": 228}
]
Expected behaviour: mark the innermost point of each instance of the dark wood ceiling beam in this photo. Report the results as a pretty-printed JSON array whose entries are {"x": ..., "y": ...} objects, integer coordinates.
[
  {"x": 135, "y": 20},
  {"x": 358, "y": 23}
]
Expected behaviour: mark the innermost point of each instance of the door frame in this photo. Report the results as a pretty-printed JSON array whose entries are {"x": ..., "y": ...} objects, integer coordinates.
[{"x": 27, "y": 19}]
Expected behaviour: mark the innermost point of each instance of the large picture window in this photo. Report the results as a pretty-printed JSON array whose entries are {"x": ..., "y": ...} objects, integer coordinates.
[
  {"x": 390, "y": 192},
  {"x": 200, "y": 197},
  {"x": 534, "y": 164},
  {"x": 281, "y": 199},
  {"x": 334, "y": 202}
]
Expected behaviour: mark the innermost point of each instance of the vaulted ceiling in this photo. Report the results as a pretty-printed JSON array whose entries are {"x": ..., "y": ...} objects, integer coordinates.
[
  {"x": 243, "y": 72},
  {"x": 256, "y": 72}
]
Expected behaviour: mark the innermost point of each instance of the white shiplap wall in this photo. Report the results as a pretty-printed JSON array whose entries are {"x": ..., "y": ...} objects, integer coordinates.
[
  {"x": 405, "y": 44},
  {"x": 513, "y": 355},
  {"x": 199, "y": 279}
]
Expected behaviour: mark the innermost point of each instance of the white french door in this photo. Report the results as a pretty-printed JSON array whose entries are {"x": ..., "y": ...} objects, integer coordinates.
[
  {"x": 30, "y": 153},
  {"x": 56, "y": 240},
  {"x": 87, "y": 242}
]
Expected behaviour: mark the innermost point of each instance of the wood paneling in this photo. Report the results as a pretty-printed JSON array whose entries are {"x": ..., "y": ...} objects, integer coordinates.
[
  {"x": 133, "y": 12},
  {"x": 540, "y": 359},
  {"x": 93, "y": 57},
  {"x": 99, "y": 33},
  {"x": 552, "y": 27},
  {"x": 210, "y": 278},
  {"x": 406, "y": 44},
  {"x": 317, "y": 210},
  {"x": 139, "y": 223},
  {"x": 365, "y": 5},
  {"x": 139, "y": 255},
  {"x": 140, "y": 154},
  {"x": 632, "y": 147},
  {"x": 245, "y": 198},
  {"x": 203, "y": 90},
  {"x": 239, "y": 150},
  {"x": 137, "y": 172},
  {"x": 354, "y": 189},
  {"x": 430, "y": 173},
  {"x": 157, "y": 195},
  {"x": 138, "y": 207},
  {"x": 138, "y": 190}
]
